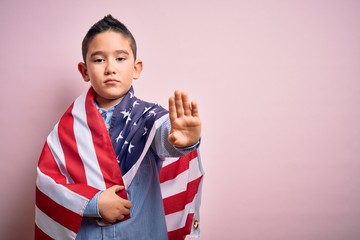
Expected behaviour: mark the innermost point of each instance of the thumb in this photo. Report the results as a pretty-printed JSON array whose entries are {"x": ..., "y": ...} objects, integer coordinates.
[
  {"x": 172, "y": 138},
  {"x": 116, "y": 188}
]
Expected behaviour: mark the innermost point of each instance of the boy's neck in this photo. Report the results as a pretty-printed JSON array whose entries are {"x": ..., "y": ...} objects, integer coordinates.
[{"x": 106, "y": 103}]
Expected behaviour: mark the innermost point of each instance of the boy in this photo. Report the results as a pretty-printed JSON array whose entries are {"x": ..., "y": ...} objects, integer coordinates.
[{"x": 98, "y": 174}]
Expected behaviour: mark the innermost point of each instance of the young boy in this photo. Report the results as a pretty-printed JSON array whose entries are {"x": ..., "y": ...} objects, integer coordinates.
[{"x": 98, "y": 174}]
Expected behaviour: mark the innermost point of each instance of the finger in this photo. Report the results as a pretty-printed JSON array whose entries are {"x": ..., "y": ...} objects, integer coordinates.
[
  {"x": 172, "y": 138},
  {"x": 127, "y": 204},
  {"x": 117, "y": 188},
  {"x": 186, "y": 104},
  {"x": 172, "y": 109},
  {"x": 126, "y": 211},
  {"x": 111, "y": 220},
  {"x": 194, "y": 109},
  {"x": 179, "y": 104}
]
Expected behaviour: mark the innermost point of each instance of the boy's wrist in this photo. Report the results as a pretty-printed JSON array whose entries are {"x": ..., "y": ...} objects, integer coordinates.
[{"x": 191, "y": 147}]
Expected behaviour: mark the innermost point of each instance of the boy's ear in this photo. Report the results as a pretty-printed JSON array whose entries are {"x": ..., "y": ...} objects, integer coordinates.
[
  {"x": 83, "y": 71},
  {"x": 138, "y": 67}
]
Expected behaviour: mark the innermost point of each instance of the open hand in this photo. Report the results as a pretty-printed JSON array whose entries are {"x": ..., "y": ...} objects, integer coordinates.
[{"x": 185, "y": 122}]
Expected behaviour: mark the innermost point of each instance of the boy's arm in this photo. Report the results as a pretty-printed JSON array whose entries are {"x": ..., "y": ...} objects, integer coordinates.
[
  {"x": 91, "y": 209},
  {"x": 180, "y": 134}
]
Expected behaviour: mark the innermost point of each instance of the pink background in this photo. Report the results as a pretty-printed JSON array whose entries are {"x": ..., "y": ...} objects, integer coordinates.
[{"x": 278, "y": 84}]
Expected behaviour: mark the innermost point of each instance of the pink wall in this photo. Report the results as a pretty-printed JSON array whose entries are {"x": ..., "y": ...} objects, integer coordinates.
[{"x": 278, "y": 83}]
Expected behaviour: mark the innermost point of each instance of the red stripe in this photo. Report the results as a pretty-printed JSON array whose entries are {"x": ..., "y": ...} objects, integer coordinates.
[
  {"x": 48, "y": 166},
  {"x": 74, "y": 164},
  {"x": 58, "y": 213},
  {"x": 103, "y": 147},
  {"x": 172, "y": 170},
  {"x": 181, "y": 233},
  {"x": 178, "y": 201},
  {"x": 40, "y": 235}
]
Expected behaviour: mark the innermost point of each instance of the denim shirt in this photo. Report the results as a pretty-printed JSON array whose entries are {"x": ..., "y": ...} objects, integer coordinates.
[{"x": 147, "y": 219}]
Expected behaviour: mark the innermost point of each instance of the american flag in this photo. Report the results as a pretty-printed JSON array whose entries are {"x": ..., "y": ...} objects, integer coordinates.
[{"x": 79, "y": 158}]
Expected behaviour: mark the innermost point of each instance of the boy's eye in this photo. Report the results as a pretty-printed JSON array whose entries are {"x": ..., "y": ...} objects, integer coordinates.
[
  {"x": 99, "y": 60},
  {"x": 120, "y": 59}
]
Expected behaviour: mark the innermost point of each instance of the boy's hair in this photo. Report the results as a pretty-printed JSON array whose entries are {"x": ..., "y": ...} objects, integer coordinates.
[{"x": 108, "y": 23}]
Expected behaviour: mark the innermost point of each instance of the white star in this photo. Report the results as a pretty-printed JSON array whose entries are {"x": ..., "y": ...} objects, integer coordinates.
[
  {"x": 131, "y": 94},
  {"x": 146, "y": 109},
  {"x": 128, "y": 119},
  {"x": 119, "y": 137},
  {"x": 135, "y": 124},
  {"x": 135, "y": 103},
  {"x": 126, "y": 113},
  {"x": 152, "y": 112},
  {"x": 125, "y": 143},
  {"x": 145, "y": 131},
  {"x": 130, "y": 147}
]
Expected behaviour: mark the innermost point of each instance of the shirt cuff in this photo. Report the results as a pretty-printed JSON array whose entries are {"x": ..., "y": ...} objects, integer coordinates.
[
  {"x": 189, "y": 148},
  {"x": 91, "y": 209}
]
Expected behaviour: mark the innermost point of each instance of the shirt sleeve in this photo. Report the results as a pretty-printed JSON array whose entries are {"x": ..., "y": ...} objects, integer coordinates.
[
  {"x": 92, "y": 209},
  {"x": 165, "y": 149}
]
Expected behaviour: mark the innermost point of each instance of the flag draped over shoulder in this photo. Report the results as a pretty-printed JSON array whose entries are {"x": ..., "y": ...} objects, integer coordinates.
[{"x": 79, "y": 159}]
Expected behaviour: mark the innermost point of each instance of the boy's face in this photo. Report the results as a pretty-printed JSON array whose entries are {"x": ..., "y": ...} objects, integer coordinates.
[{"x": 110, "y": 67}]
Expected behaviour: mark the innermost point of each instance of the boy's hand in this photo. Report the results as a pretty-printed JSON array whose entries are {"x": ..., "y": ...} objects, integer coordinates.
[
  {"x": 185, "y": 121},
  {"x": 111, "y": 206}
]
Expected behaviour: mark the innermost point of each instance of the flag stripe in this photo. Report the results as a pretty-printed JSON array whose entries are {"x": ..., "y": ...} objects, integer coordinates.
[
  {"x": 178, "y": 201},
  {"x": 51, "y": 181},
  {"x": 85, "y": 145},
  {"x": 182, "y": 232},
  {"x": 74, "y": 164},
  {"x": 57, "y": 212},
  {"x": 172, "y": 170},
  {"x": 103, "y": 147},
  {"x": 53, "y": 143},
  {"x": 49, "y": 166},
  {"x": 169, "y": 160},
  {"x": 51, "y": 227},
  {"x": 40, "y": 235},
  {"x": 178, "y": 184},
  {"x": 177, "y": 219},
  {"x": 65, "y": 195}
]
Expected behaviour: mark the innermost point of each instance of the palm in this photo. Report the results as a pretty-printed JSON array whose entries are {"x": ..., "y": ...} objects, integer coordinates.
[{"x": 185, "y": 121}]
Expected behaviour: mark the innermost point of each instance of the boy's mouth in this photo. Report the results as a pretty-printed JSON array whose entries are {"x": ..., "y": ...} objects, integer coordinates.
[{"x": 111, "y": 81}]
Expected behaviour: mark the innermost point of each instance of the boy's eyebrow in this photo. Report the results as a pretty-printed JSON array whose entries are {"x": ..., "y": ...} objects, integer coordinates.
[{"x": 103, "y": 53}]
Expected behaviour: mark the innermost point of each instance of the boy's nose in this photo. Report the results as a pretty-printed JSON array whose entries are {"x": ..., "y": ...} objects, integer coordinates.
[{"x": 110, "y": 69}]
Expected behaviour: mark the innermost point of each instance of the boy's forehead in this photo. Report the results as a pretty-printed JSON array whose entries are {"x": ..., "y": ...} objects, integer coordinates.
[{"x": 109, "y": 41}]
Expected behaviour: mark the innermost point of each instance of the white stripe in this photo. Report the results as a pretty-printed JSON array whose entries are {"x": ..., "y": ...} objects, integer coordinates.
[
  {"x": 60, "y": 194},
  {"x": 179, "y": 183},
  {"x": 169, "y": 160},
  {"x": 85, "y": 145},
  {"x": 129, "y": 176},
  {"x": 52, "y": 228},
  {"x": 56, "y": 150},
  {"x": 177, "y": 220}
]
